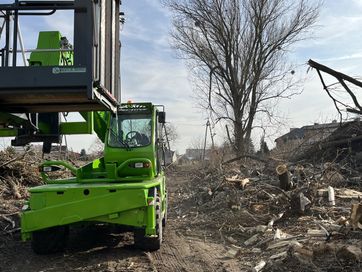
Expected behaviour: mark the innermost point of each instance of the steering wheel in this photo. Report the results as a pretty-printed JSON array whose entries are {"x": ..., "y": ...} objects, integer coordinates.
[{"x": 132, "y": 135}]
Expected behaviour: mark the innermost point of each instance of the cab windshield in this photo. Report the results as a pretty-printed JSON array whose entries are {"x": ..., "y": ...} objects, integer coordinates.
[{"x": 130, "y": 130}]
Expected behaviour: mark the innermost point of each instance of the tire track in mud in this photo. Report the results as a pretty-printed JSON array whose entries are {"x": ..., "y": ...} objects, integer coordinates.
[
  {"x": 171, "y": 257},
  {"x": 183, "y": 253},
  {"x": 179, "y": 253}
]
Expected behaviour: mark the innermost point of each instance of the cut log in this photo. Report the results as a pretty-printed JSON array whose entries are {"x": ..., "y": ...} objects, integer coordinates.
[
  {"x": 233, "y": 252},
  {"x": 244, "y": 182},
  {"x": 259, "y": 266},
  {"x": 274, "y": 219},
  {"x": 286, "y": 243},
  {"x": 231, "y": 240},
  {"x": 284, "y": 177},
  {"x": 305, "y": 252},
  {"x": 350, "y": 253},
  {"x": 349, "y": 194},
  {"x": 356, "y": 216},
  {"x": 277, "y": 234},
  {"x": 299, "y": 203},
  {"x": 332, "y": 177},
  {"x": 252, "y": 240},
  {"x": 321, "y": 249},
  {"x": 316, "y": 233},
  {"x": 341, "y": 193},
  {"x": 342, "y": 221},
  {"x": 331, "y": 197},
  {"x": 301, "y": 176},
  {"x": 281, "y": 255}
]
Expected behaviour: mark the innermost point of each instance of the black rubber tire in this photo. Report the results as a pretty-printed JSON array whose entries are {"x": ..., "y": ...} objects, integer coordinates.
[
  {"x": 150, "y": 243},
  {"x": 164, "y": 219},
  {"x": 51, "y": 240}
]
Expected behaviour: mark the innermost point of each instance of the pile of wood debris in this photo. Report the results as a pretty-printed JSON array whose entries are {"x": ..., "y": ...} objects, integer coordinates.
[
  {"x": 294, "y": 218},
  {"x": 19, "y": 170}
]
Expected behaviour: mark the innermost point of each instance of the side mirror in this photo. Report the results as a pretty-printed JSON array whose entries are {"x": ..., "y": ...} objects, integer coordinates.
[{"x": 162, "y": 117}]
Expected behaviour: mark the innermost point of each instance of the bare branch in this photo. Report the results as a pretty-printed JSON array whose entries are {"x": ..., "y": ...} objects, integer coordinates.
[{"x": 341, "y": 79}]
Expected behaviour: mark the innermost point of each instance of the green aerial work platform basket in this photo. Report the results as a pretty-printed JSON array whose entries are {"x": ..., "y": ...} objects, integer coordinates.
[{"x": 89, "y": 83}]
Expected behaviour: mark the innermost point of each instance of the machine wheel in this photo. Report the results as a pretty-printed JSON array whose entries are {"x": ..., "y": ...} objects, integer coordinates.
[
  {"x": 50, "y": 240},
  {"x": 150, "y": 243},
  {"x": 164, "y": 219}
]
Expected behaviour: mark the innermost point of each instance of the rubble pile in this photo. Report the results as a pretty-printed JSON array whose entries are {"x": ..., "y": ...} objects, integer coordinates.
[{"x": 300, "y": 217}]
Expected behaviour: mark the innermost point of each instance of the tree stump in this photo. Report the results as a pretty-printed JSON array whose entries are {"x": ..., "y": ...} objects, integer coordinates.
[{"x": 284, "y": 177}]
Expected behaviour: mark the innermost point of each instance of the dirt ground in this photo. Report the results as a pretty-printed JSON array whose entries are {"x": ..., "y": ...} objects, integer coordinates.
[
  {"x": 99, "y": 249},
  {"x": 214, "y": 225}
]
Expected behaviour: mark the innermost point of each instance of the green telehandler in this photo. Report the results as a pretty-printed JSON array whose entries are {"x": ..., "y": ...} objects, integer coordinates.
[{"x": 127, "y": 186}]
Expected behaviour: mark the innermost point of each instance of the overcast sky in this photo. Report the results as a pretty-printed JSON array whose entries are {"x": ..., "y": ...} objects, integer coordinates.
[{"x": 150, "y": 70}]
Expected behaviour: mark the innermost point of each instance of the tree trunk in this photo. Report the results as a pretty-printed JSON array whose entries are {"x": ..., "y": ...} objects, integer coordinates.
[{"x": 239, "y": 146}]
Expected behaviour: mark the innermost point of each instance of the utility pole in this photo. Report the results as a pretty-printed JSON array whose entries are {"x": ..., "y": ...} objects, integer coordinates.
[
  {"x": 212, "y": 137},
  {"x": 207, "y": 125},
  {"x": 166, "y": 135}
]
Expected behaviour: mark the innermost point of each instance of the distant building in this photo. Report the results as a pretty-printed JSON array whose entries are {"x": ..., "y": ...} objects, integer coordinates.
[
  {"x": 306, "y": 135},
  {"x": 345, "y": 140},
  {"x": 197, "y": 154},
  {"x": 170, "y": 157},
  {"x": 194, "y": 154}
]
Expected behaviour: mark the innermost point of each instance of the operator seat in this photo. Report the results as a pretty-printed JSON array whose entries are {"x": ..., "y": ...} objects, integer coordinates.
[{"x": 144, "y": 140}]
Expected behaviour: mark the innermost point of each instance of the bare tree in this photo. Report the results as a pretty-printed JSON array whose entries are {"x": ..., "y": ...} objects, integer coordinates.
[
  {"x": 171, "y": 132},
  {"x": 238, "y": 50},
  {"x": 97, "y": 148}
]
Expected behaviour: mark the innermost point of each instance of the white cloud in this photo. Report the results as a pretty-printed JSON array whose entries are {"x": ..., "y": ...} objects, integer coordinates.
[
  {"x": 358, "y": 3},
  {"x": 156, "y": 4},
  {"x": 62, "y": 21},
  {"x": 149, "y": 78},
  {"x": 351, "y": 57}
]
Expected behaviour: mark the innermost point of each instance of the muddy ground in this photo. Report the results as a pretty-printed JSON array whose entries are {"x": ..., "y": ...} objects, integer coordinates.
[{"x": 99, "y": 249}]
